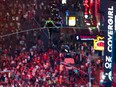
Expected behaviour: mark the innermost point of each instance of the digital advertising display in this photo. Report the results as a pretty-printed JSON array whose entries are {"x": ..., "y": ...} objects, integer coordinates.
[
  {"x": 72, "y": 21},
  {"x": 110, "y": 23},
  {"x": 99, "y": 43}
]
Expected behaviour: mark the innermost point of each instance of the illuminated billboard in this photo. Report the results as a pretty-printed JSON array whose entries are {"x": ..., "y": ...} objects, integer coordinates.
[
  {"x": 64, "y": 1},
  {"x": 110, "y": 23},
  {"x": 72, "y": 21},
  {"x": 85, "y": 37},
  {"x": 86, "y": 7},
  {"x": 99, "y": 43}
]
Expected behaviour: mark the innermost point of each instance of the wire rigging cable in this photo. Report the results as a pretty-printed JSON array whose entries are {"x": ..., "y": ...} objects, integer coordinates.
[{"x": 41, "y": 28}]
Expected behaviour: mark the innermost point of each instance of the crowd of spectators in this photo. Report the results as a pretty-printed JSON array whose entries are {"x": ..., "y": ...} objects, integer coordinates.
[
  {"x": 24, "y": 61},
  {"x": 14, "y": 14},
  {"x": 19, "y": 15}
]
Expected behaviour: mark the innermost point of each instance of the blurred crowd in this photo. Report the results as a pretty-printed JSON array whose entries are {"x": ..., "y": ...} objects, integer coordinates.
[
  {"x": 24, "y": 61},
  {"x": 17, "y": 15},
  {"x": 14, "y": 13}
]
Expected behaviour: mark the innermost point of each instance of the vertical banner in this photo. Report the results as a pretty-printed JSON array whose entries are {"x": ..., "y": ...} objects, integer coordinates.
[
  {"x": 110, "y": 22},
  {"x": 86, "y": 8}
]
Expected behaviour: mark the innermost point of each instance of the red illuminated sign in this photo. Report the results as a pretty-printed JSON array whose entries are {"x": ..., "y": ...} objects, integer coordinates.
[
  {"x": 100, "y": 44},
  {"x": 87, "y": 37},
  {"x": 86, "y": 5}
]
